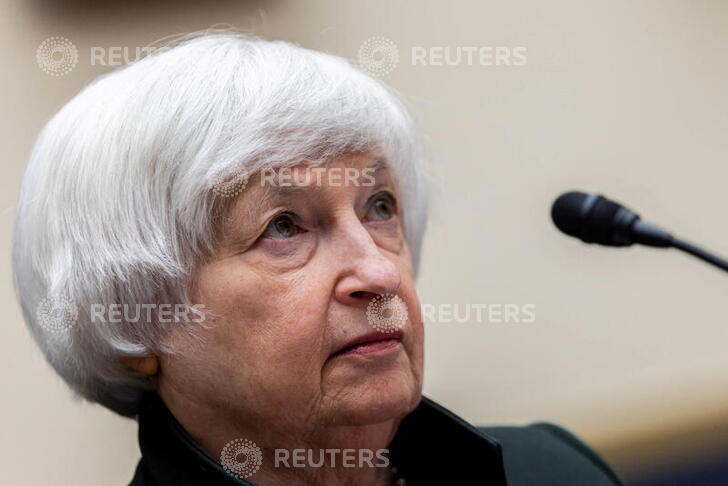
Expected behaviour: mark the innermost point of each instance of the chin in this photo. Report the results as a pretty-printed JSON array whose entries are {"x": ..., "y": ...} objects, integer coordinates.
[{"x": 377, "y": 399}]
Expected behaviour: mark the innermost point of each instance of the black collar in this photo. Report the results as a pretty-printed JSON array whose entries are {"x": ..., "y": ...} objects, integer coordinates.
[{"x": 432, "y": 446}]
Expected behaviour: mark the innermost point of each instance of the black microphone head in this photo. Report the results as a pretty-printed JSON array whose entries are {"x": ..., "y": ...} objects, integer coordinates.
[
  {"x": 593, "y": 219},
  {"x": 566, "y": 212}
]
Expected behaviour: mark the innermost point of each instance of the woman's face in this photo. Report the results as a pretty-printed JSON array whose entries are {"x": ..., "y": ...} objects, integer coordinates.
[{"x": 287, "y": 293}]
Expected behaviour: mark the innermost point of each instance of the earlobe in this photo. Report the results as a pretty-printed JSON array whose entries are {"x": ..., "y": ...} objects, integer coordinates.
[{"x": 146, "y": 365}]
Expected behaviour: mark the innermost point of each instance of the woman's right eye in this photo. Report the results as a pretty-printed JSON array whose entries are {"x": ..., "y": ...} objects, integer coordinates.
[{"x": 282, "y": 226}]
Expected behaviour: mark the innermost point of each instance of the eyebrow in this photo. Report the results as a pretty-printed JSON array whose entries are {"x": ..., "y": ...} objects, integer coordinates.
[{"x": 378, "y": 164}]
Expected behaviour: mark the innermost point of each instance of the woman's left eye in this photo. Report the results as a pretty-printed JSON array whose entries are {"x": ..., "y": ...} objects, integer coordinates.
[
  {"x": 382, "y": 206},
  {"x": 282, "y": 226}
]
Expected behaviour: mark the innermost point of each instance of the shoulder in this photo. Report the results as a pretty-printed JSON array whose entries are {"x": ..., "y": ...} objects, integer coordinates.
[
  {"x": 138, "y": 479},
  {"x": 545, "y": 454}
]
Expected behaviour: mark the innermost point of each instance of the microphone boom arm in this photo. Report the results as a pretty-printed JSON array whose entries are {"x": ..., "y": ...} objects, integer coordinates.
[{"x": 700, "y": 253}]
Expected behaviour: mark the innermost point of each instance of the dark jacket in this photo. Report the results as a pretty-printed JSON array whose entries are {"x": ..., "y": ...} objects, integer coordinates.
[{"x": 432, "y": 446}]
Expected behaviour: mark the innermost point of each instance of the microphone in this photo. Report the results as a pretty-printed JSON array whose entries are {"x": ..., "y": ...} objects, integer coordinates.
[{"x": 595, "y": 219}]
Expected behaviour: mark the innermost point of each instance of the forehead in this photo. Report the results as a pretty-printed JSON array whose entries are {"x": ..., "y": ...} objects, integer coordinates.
[{"x": 349, "y": 171}]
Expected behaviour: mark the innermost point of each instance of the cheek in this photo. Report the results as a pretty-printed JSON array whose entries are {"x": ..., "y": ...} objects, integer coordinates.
[
  {"x": 408, "y": 293},
  {"x": 416, "y": 327},
  {"x": 265, "y": 332}
]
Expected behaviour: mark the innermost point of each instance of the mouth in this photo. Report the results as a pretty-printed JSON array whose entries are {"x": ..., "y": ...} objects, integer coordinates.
[{"x": 371, "y": 344}]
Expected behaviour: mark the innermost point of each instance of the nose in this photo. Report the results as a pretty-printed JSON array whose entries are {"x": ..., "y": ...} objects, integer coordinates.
[{"x": 366, "y": 272}]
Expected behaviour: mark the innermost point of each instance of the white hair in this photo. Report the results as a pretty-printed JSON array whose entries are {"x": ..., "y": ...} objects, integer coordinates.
[{"x": 116, "y": 204}]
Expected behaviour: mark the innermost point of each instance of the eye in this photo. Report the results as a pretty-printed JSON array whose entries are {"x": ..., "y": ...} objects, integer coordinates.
[
  {"x": 282, "y": 226},
  {"x": 382, "y": 206}
]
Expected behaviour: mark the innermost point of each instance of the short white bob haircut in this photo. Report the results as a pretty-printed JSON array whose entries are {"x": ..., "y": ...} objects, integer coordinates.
[{"x": 116, "y": 204}]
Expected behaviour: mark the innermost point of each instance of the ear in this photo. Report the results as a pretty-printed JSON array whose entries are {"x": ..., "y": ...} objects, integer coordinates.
[{"x": 146, "y": 365}]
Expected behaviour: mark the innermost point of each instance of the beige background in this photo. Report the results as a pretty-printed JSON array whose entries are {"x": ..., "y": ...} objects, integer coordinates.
[{"x": 623, "y": 97}]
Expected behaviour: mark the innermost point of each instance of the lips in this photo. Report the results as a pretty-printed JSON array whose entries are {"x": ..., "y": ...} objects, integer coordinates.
[{"x": 371, "y": 343}]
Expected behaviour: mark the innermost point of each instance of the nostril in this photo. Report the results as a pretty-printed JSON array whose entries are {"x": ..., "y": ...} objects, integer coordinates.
[{"x": 362, "y": 296}]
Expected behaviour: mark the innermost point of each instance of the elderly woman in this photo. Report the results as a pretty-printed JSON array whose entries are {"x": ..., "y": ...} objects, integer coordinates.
[{"x": 221, "y": 241}]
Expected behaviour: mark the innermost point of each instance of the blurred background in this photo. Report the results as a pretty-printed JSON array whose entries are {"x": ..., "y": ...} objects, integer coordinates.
[{"x": 624, "y": 97}]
